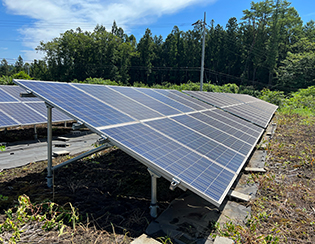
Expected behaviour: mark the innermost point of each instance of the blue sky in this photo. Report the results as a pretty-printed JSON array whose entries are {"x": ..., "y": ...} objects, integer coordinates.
[{"x": 24, "y": 23}]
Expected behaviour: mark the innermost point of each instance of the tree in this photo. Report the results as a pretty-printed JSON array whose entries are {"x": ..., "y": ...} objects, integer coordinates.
[
  {"x": 19, "y": 64},
  {"x": 273, "y": 28},
  {"x": 309, "y": 30},
  {"x": 145, "y": 48},
  {"x": 4, "y": 67},
  {"x": 297, "y": 70}
]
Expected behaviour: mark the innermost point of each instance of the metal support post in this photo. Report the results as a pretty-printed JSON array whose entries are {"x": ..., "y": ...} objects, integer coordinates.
[
  {"x": 35, "y": 132},
  {"x": 95, "y": 150},
  {"x": 153, "y": 205},
  {"x": 49, "y": 145}
]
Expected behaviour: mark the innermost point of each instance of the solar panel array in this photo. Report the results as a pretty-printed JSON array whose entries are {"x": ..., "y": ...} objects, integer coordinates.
[
  {"x": 176, "y": 135},
  {"x": 18, "y": 111},
  {"x": 247, "y": 107}
]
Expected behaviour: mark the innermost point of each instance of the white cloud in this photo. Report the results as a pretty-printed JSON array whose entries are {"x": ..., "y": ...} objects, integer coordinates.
[{"x": 54, "y": 17}]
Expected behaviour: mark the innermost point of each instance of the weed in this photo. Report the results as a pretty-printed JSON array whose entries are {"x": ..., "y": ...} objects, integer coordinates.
[
  {"x": 49, "y": 214},
  {"x": 3, "y": 198},
  {"x": 165, "y": 240}
]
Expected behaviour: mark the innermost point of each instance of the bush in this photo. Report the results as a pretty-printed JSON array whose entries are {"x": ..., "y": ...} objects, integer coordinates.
[
  {"x": 21, "y": 75},
  {"x": 6, "y": 80},
  {"x": 275, "y": 97},
  {"x": 301, "y": 102},
  {"x": 100, "y": 81}
]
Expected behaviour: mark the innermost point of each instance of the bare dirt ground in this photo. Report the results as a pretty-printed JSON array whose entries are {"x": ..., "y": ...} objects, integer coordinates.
[{"x": 111, "y": 192}]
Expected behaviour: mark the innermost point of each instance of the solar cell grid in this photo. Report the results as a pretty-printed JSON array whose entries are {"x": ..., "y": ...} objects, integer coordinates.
[
  {"x": 199, "y": 143},
  {"x": 171, "y": 102},
  {"x": 15, "y": 92},
  {"x": 204, "y": 124},
  {"x": 241, "y": 97},
  {"x": 184, "y": 164},
  {"x": 5, "y": 97},
  {"x": 184, "y": 99},
  {"x": 22, "y": 113},
  {"x": 250, "y": 113},
  {"x": 146, "y": 100},
  {"x": 239, "y": 105},
  {"x": 119, "y": 101},
  {"x": 40, "y": 107},
  {"x": 6, "y": 121},
  {"x": 262, "y": 105},
  {"x": 236, "y": 122},
  {"x": 223, "y": 98},
  {"x": 216, "y": 99},
  {"x": 79, "y": 104}
]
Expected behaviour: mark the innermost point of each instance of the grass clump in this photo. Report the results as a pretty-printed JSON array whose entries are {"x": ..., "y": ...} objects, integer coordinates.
[{"x": 47, "y": 215}]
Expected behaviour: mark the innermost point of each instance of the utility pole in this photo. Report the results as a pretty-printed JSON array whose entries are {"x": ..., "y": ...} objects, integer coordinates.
[{"x": 203, "y": 24}]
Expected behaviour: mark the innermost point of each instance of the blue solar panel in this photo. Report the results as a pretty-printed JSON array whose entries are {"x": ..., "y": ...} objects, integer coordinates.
[
  {"x": 15, "y": 91},
  {"x": 199, "y": 143},
  {"x": 6, "y": 121},
  {"x": 239, "y": 105},
  {"x": 262, "y": 105},
  {"x": 198, "y": 172},
  {"x": 117, "y": 100},
  {"x": 78, "y": 103},
  {"x": 242, "y": 97},
  {"x": 22, "y": 113},
  {"x": 184, "y": 99},
  {"x": 238, "y": 123},
  {"x": 171, "y": 102},
  {"x": 205, "y": 149},
  {"x": 215, "y": 130},
  {"x": 40, "y": 107},
  {"x": 237, "y": 130},
  {"x": 5, "y": 97},
  {"x": 250, "y": 113},
  {"x": 213, "y": 98},
  {"x": 146, "y": 100}
]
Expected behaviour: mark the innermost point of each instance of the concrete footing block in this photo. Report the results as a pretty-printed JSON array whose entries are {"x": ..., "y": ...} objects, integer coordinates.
[
  {"x": 144, "y": 239},
  {"x": 255, "y": 170},
  {"x": 222, "y": 240}
]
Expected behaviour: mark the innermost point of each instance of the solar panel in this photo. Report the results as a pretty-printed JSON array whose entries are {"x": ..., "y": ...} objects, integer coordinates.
[
  {"x": 24, "y": 110},
  {"x": 240, "y": 97},
  {"x": 182, "y": 98},
  {"x": 146, "y": 100},
  {"x": 40, "y": 107},
  {"x": 80, "y": 104},
  {"x": 174, "y": 134},
  {"x": 236, "y": 122},
  {"x": 216, "y": 99},
  {"x": 119, "y": 101},
  {"x": 255, "y": 115},
  {"x": 6, "y": 121},
  {"x": 218, "y": 132},
  {"x": 5, "y": 97},
  {"x": 171, "y": 102},
  {"x": 255, "y": 102},
  {"x": 15, "y": 92},
  {"x": 169, "y": 156},
  {"x": 244, "y": 106},
  {"x": 23, "y": 114}
]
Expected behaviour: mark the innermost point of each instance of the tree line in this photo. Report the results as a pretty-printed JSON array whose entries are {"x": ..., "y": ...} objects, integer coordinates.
[{"x": 269, "y": 47}]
